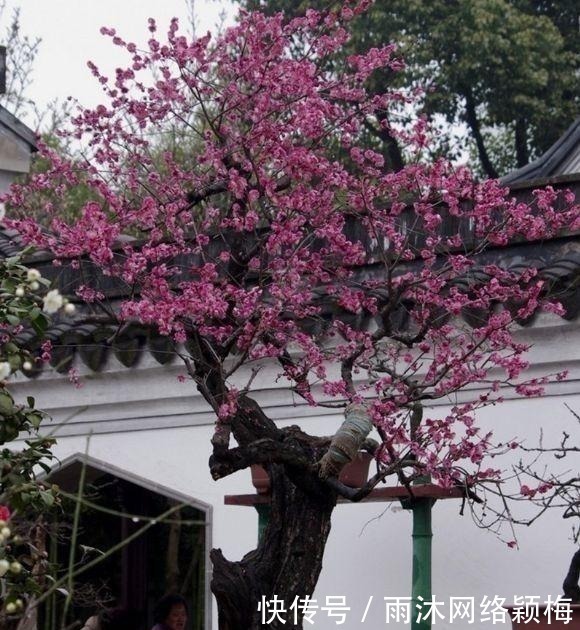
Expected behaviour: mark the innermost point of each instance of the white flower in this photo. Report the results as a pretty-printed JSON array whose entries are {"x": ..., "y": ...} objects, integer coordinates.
[
  {"x": 4, "y": 566},
  {"x": 34, "y": 286},
  {"x": 10, "y": 608},
  {"x": 19, "y": 292},
  {"x": 27, "y": 366},
  {"x": 32, "y": 275},
  {"x": 69, "y": 308},
  {"x": 6, "y": 532},
  {"x": 5, "y": 370},
  {"x": 15, "y": 567},
  {"x": 53, "y": 300}
]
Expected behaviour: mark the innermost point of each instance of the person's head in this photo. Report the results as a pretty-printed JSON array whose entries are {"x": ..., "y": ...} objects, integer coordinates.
[{"x": 171, "y": 610}]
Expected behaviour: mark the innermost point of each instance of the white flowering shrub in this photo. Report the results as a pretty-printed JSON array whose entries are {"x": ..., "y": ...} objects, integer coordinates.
[{"x": 25, "y": 301}]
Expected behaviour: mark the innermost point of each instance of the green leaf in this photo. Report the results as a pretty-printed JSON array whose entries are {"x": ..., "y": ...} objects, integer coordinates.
[
  {"x": 40, "y": 324},
  {"x": 47, "y": 498},
  {"x": 9, "y": 285},
  {"x": 12, "y": 319},
  {"x": 6, "y": 404},
  {"x": 15, "y": 362},
  {"x": 35, "y": 419}
]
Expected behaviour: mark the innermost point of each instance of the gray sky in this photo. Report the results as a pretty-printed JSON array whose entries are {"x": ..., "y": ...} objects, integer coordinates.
[{"x": 69, "y": 30}]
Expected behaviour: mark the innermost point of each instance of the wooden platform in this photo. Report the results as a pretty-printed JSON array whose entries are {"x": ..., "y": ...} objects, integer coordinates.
[{"x": 379, "y": 494}]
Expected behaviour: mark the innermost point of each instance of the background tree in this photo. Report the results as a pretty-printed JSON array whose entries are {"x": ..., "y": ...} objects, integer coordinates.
[
  {"x": 506, "y": 69},
  {"x": 21, "y": 51},
  {"x": 268, "y": 250}
]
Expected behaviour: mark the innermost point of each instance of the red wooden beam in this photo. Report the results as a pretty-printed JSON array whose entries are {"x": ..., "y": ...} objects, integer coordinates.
[{"x": 395, "y": 493}]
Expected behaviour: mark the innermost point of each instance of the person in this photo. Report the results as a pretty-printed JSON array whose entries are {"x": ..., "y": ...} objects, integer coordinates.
[
  {"x": 170, "y": 613},
  {"x": 92, "y": 623},
  {"x": 119, "y": 619}
]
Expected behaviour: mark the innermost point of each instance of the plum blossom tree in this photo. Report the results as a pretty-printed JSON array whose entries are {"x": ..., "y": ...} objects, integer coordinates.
[
  {"x": 542, "y": 485},
  {"x": 283, "y": 241}
]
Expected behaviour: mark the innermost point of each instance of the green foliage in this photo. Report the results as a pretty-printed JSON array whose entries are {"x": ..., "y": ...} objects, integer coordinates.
[
  {"x": 24, "y": 501},
  {"x": 69, "y": 205},
  {"x": 506, "y": 68},
  {"x": 171, "y": 145}
]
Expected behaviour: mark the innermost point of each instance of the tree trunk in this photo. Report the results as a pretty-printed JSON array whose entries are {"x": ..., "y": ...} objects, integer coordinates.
[
  {"x": 571, "y": 586},
  {"x": 286, "y": 563},
  {"x": 392, "y": 153},
  {"x": 288, "y": 559},
  {"x": 522, "y": 153},
  {"x": 473, "y": 122}
]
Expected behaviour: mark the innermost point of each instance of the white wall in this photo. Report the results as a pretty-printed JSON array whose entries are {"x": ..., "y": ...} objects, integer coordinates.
[{"x": 149, "y": 424}]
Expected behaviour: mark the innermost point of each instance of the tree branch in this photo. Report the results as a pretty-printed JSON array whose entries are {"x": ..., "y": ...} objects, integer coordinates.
[{"x": 264, "y": 451}]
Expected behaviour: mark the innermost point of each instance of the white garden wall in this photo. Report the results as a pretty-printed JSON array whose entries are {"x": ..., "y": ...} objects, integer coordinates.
[{"x": 146, "y": 422}]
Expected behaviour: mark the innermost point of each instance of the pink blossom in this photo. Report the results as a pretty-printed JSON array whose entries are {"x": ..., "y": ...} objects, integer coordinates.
[{"x": 263, "y": 246}]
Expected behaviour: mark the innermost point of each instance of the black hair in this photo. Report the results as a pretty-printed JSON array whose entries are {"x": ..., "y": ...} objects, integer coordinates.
[
  {"x": 120, "y": 619},
  {"x": 165, "y": 604}
]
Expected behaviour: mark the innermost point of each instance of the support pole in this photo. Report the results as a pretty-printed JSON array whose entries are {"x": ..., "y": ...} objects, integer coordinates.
[
  {"x": 422, "y": 536},
  {"x": 263, "y": 519}
]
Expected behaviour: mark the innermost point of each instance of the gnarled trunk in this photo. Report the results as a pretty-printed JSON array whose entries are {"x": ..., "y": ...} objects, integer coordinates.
[
  {"x": 571, "y": 586},
  {"x": 286, "y": 563}
]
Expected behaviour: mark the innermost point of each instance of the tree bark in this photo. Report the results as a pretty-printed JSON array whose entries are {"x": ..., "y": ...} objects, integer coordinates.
[
  {"x": 473, "y": 122},
  {"x": 522, "y": 153},
  {"x": 288, "y": 559},
  {"x": 392, "y": 153},
  {"x": 286, "y": 563},
  {"x": 571, "y": 586}
]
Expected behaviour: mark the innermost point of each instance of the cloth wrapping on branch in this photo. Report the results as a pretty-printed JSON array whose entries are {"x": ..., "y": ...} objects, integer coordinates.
[{"x": 347, "y": 441}]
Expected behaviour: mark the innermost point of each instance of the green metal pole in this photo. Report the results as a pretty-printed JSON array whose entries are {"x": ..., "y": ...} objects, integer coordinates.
[
  {"x": 422, "y": 536},
  {"x": 263, "y": 519}
]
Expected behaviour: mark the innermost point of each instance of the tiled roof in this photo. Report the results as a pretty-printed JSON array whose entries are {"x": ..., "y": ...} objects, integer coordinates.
[
  {"x": 560, "y": 161},
  {"x": 18, "y": 128},
  {"x": 558, "y": 264},
  {"x": 557, "y": 261}
]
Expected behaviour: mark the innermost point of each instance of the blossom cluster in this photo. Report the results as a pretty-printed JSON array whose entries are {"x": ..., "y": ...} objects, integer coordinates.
[
  {"x": 24, "y": 300},
  {"x": 275, "y": 233},
  {"x": 6, "y": 565}
]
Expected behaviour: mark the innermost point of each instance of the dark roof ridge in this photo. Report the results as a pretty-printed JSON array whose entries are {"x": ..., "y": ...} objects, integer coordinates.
[
  {"x": 18, "y": 128},
  {"x": 547, "y": 164}
]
